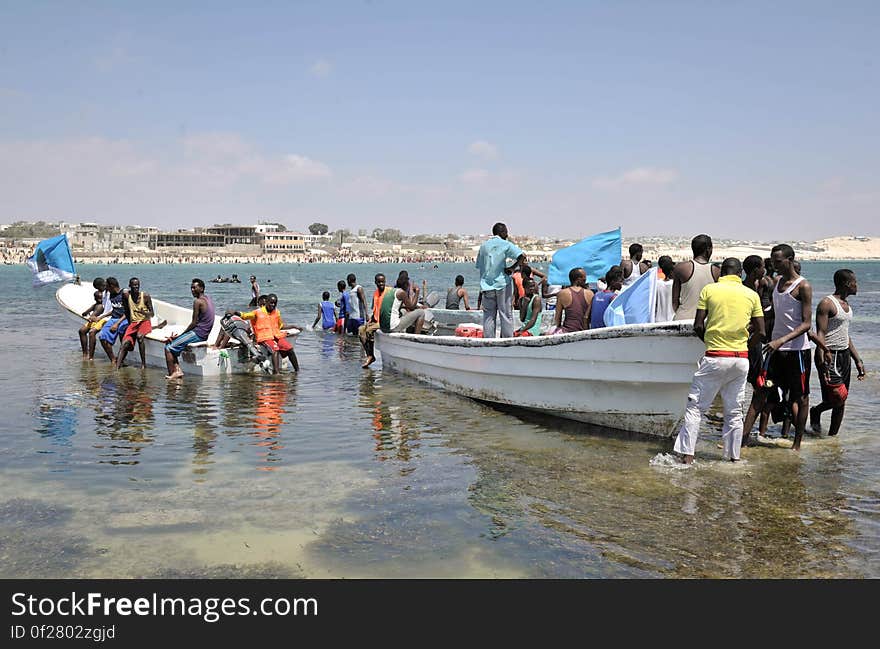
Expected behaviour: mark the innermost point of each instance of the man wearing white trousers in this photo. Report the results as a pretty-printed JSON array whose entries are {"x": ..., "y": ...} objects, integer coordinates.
[{"x": 729, "y": 318}]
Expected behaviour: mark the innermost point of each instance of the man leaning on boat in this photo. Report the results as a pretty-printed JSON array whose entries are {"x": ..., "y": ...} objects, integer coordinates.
[
  {"x": 724, "y": 312},
  {"x": 495, "y": 284}
]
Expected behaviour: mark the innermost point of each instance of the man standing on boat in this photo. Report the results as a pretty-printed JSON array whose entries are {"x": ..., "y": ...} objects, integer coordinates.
[
  {"x": 724, "y": 312},
  {"x": 196, "y": 331},
  {"x": 634, "y": 267},
  {"x": 495, "y": 285}
]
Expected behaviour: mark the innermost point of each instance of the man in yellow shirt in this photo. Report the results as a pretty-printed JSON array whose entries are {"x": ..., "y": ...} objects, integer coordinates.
[{"x": 724, "y": 312}]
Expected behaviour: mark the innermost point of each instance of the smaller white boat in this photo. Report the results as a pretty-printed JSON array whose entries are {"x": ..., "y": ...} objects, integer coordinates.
[{"x": 197, "y": 359}]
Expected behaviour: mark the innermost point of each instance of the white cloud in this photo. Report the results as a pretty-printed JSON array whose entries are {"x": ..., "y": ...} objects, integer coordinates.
[
  {"x": 637, "y": 176},
  {"x": 474, "y": 176},
  {"x": 201, "y": 178},
  {"x": 227, "y": 157},
  {"x": 483, "y": 149},
  {"x": 321, "y": 68},
  {"x": 215, "y": 145},
  {"x": 294, "y": 168}
]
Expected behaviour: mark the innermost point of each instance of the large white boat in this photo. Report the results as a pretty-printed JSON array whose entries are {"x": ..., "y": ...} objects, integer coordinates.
[
  {"x": 631, "y": 377},
  {"x": 197, "y": 359}
]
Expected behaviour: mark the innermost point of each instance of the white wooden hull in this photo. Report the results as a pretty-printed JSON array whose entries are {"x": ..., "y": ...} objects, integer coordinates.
[
  {"x": 633, "y": 378},
  {"x": 198, "y": 359}
]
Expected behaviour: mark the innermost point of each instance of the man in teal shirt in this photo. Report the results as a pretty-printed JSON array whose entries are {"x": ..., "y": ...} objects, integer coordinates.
[{"x": 495, "y": 284}]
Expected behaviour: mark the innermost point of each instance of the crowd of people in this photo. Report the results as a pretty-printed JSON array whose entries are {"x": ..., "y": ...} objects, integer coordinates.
[
  {"x": 129, "y": 313},
  {"x": 755, "y": 317}
]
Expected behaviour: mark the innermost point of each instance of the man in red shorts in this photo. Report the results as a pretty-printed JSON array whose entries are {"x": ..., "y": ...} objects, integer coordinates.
[
  {"x": 267, "y": 326},
  {"x": 138, "y": 310}
]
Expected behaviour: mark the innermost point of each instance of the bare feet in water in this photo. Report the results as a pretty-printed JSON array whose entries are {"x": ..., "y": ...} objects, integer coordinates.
[
  {"x": 370, "y": 360},
  {"x": 175, "y": 375}
]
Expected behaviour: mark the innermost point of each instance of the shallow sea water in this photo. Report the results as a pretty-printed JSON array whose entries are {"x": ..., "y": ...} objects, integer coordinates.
[{"x": 339, "y": 472}]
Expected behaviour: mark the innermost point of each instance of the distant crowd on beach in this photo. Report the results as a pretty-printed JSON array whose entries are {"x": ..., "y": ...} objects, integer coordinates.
[{"x": 13, "y": 256}]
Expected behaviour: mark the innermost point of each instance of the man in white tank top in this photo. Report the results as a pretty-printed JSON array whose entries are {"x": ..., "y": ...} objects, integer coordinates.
[
  {"x": 835, "y": 350},
  {"x": 689, "y": 278},
  {"x": 634, "y": 267},
  {"x": 790, "y": 363}
]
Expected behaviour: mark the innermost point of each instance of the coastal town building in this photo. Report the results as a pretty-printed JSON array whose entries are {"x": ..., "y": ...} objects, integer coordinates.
[
  {"x": 187, "y": 239},
  {"x": 283, "y": 242}
]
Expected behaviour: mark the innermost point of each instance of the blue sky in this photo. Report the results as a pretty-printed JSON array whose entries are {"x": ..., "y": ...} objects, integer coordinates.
[{"x": 752, "y": 120}]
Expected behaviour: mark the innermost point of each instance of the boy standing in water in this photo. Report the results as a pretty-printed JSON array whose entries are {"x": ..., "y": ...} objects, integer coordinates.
[
  {"x": 344, "y": 304},
  {"x": 326, "y": 313}
]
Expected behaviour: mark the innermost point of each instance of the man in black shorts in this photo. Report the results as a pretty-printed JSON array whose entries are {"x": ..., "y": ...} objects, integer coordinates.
[{"x": 790, "y": 362}]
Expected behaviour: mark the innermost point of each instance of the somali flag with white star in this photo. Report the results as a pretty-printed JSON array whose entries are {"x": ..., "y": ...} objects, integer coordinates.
[{"x": 52, "y": 261}]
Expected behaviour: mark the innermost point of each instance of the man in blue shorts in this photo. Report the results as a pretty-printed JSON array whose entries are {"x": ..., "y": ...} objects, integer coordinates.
[{"x": 117, "y": 322}]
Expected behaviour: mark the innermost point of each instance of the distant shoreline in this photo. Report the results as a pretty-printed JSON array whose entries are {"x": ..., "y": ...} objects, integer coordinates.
[{"x": 839, "y": 249}]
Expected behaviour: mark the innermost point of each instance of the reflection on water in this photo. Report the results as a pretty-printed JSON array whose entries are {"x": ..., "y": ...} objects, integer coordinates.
[
  {"x": 340, "y": 472},
  {"x": 270, "y": 401},
  {"x": 393, "y": 427},
  {"x": 194, "y": 408},
  {"x": 123, "y": 417}
]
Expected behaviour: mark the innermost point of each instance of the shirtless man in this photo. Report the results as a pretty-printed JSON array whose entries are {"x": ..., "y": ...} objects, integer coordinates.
[{"x": 689, "y": 278}]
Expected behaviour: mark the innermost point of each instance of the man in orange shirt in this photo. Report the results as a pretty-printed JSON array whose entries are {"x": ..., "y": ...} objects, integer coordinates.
[
  {"x": 367, "y": 332},
  {"x": 267, "y": 326}
]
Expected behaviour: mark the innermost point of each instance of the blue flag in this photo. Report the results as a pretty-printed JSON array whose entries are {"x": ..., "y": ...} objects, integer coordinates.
[
  {"x": 51, "y": 261},
  {"x": 594, "y": 254},
  {"x": 636, "y": 304}
]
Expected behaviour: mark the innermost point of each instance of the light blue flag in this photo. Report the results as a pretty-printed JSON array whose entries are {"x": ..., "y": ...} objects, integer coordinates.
[
  {"x": 51, "y": 261},
  {"x": 594, "y": 254},
  {"x": 636, "y": 304}
]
